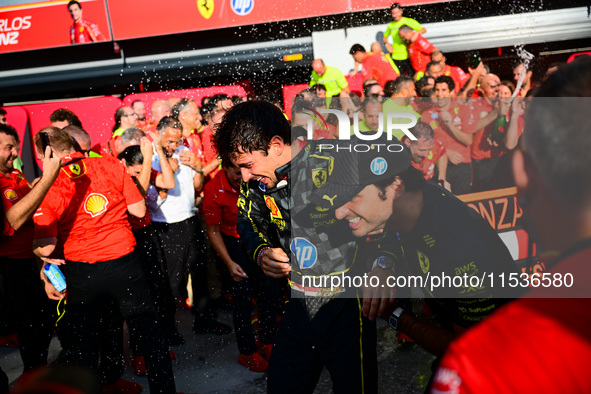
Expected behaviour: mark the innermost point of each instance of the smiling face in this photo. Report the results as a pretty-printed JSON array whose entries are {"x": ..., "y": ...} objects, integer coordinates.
[
  {"x": 171, "y": 139},
  {"x": 368, "y": 211},
  {"x": 8, "y": 153},
  {"x": 258, "y": 166},
  {"x": 75, "y": 12}
]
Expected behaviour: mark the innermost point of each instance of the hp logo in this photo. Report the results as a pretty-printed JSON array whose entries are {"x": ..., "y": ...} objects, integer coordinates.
[
  {"x": 305, "y": 252},
  {"x": 242, "y": 7},
  {"x": 379, "y": 166}
]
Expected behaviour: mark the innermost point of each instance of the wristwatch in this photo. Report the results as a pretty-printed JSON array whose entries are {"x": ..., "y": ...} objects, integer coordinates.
[
  {"x": 394, "y": 318},
  {"x": 382, "y": 262}
]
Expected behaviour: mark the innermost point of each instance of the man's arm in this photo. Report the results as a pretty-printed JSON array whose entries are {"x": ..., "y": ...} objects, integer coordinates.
[
  {"x": 137, "y": 209},
  {"x": 459, "y": 135},
  {"x": 215, "y": 237},
  {"x": 19, "y": 213},
  {"x": 253, "y": 222},
  {"x": 429, "y": 336}
]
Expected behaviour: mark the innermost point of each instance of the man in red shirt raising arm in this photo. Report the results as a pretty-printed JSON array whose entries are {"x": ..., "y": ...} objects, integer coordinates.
[
  {"x": 19, "y": 200},
  {"x": 86, "y": 209}
]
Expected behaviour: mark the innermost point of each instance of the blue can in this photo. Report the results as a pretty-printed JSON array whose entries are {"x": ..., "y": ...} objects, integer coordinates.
[{"x": 55, "y": 276}]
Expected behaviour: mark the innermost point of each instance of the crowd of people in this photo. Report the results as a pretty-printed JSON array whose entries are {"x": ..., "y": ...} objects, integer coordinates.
[{"x": 227, "y": 185}]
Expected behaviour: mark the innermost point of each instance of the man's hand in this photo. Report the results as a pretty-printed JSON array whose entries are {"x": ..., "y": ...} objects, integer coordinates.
[
  {"x": 378, "y": 301},
  {"x": 52, "y": 261},
  {"x": 174, "y": 164},
  {"x": 156, "y": 140},
  {"x": 275, "y": 263},
  {"x": 503, "y": 106},
  {"x": 454, "y": 157},
  {"x": 445, "y": 117},
  {"x": 236, "y": 272},
  {"x": 50, "y": 290},
  {"x": 190, "y": 159},
  {"x": 51, "y": 165},
  {"x": 146, "y": 149}
]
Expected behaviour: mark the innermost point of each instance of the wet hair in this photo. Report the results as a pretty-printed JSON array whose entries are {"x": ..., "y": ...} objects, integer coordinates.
[
  {"x": 431, "y": 64},
  {"x": 508, "y": 84},
  {"x": 10, "y": 131},
  {"x": 168, "y": 121},
  {"x": 78, "y": 135},
  {"x": 562, "y": 159},
  {"x": 133, "y": 134},
  {"x": 249, "y": 127},
  {"x": 135, "y": 102},
  {"x": 405, "y": 28},
  {"x": 422, "y": 130},
  {"x": 64, "y": 114},
  {"x": 367, "y": 88},
  {"x": 132, "y": 155},
  {"x": 176, "y": 110},
  {"x": 421, "y": 83},
  {"x": 118, "y": 114},
  {"x": 398, "y": 84},
  {"x": 447, "y": 80},
  {"x": 411, "y": 177},
  {"x": 356, "y": 48},
  {"x": 369, "y": 100},
  {"x": 59, "y": 139}
]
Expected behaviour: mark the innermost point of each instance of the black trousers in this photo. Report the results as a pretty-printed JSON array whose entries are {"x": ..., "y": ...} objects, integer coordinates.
[
  {"x": 34, "y": 313},
  {"x": 183, "y": 244},
  {"x": 405, "y": 67},
  {"x": 267, "y": 293},
  {"x": 90, "y": 288},
  {"x": 338, "y": 338},
  {"x": 152, "y": 261}
]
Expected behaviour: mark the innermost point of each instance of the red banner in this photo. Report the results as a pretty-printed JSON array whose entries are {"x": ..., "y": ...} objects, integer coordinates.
[
  {"x": 193, "y": 15},
  {"x": 28, "y": 24}
]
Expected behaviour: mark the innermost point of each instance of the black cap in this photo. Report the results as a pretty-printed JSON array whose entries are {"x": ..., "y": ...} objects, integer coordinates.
[
  {"x": 357, "y": 164},
  {"x": 395, "y": 5}
]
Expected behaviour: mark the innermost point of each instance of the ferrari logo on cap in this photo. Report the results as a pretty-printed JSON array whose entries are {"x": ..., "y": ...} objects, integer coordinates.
[
  {"x": 205, "y": 8},
  {"x": 95, "y": 204}
]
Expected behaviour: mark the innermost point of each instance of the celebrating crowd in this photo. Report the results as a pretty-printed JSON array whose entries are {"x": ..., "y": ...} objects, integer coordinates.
[{"x": 227, "y": 185}]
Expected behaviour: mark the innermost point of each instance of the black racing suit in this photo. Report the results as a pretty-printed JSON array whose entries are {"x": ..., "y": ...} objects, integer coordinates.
[{"x": 321, "y": 326}]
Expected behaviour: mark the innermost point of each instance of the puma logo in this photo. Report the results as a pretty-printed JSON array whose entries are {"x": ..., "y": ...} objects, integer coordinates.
[{"x": 331, "y": 200}]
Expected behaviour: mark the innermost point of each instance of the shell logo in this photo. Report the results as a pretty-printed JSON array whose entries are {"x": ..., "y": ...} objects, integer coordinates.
[
  {"x": 95, "y": 204},
  {"x": 10, "y": 194}
]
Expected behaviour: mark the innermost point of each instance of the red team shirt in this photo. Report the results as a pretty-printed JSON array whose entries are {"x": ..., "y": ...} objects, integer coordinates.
[
  {"x": 209, "y": 150},
  {"x": 462, "y": 118},
  {"x": 219, "y": 204},
  {"x": 105, "y": 149},
  {"x": 86, "y": 209},
  {"x": 193, "y": 142},
  {"x": 378, "y": 67},
  {"x": 457, "y": 74},
  {"x": 531, "y": 345},
  {"x": 481, "y": 148},
  {"x": 85, "y": 31},
  {"x": 20, "y": 244},
  {"x": 427, "y": 166},
  {"x": 419, "y": 53}
]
